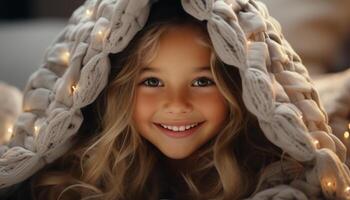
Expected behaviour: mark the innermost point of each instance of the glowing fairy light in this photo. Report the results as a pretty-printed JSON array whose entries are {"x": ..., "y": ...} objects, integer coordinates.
[
  {"x": 249, "y": 42},
  {"x": 8, "y": 134},
  {"x": 317, "y": 143},
  {"x": 229, "y": 3},
  {"x": 347, "y": 190},
  {"x": 36, "y": 130},
  {"x": 88, "y": 12},
  {"x": 346, "y": 134},
  {"x": 74, "y": 88},
  {"x": 65, "y": 56},
  {"x": 10, "y": 130},
  {"x": 101, "y": 34},
  {"x": 329, "y": 184}
]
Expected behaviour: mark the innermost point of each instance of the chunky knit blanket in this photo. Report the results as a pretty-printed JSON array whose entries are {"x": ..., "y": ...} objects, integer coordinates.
[
  {"x": 10, "y": 108},
  {"x": 276, "y": 88},
  {"x": 336, "y": 101}
]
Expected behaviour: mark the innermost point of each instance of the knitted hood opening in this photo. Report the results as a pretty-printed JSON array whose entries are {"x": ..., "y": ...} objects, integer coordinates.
[{"x": 276, "y": 88}]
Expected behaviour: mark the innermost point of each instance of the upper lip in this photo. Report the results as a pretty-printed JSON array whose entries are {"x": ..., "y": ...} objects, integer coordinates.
[{"x": 179, "y": 123}]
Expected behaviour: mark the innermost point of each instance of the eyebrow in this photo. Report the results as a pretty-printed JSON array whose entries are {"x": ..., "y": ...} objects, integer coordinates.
[{"x": 150, "y": 69}]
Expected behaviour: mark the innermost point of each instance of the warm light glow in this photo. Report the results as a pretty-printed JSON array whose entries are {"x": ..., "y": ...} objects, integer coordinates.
[
  {"x": 349, "y": 126},
  {"x": 36, "y": 129},
  {"x": 8, "y": 135},
  {"x": 249, "y": 42},
  {"x": 65, "y": 57},
  {"x": 329, "y": 184},
  {"x": 347, "y": 189},
  {"x": 101, "y": 34},
  {"x": 317, "y": 143},
  {"x": 346, "y": 134},
  {"x": 88, "y": 12},
  {"x": 10, "y": 130},
  {"x": 74, "y": 88}
]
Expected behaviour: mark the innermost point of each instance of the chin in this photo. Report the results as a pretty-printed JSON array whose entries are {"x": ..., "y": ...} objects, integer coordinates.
[{"x": 176, "y": 155}]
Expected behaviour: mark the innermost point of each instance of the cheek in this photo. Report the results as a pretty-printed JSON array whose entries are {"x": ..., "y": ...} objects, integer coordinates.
[
  {"x": 212, "y": 104},
  {"x": 145, "y": 105}
]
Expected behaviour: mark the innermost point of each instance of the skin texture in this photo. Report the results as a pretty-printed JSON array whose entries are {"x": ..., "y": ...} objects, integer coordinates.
[{"x": 176, "y": 92}]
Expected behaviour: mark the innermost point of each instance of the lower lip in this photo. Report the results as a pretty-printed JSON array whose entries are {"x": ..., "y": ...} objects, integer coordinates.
[{"x": 179, "y": 134}]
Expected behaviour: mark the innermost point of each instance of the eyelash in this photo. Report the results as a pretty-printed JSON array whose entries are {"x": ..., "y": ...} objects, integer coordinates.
[{"x": 200, "y": 78}]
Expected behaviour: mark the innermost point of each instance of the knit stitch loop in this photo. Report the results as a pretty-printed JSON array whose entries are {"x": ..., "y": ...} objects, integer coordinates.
[{"x": 226, "y": 35}]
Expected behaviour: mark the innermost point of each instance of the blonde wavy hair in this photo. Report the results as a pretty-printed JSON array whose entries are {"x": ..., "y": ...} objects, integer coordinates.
[{"x": 110, "y": 160}]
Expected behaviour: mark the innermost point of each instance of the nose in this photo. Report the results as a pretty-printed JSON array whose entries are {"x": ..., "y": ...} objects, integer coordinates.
[{"x": 178, "y": 103}]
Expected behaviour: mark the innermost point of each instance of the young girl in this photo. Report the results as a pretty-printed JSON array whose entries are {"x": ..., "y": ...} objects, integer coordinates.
[
  {"x": 169, "y": 75},
  {"x": 170, "y": 122}
]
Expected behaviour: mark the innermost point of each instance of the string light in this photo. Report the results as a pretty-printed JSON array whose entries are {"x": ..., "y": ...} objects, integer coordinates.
[
  {"x": 329, "y": 184},
  {"x": 317, "y": 143},
  {"x": 74, "y": 88},
  {"x": 88, "y": 12},
  {"x": 36, "y": 130},
  {"x": 249, "y": 42},
  {"x": 65, "y": 56},
  {"x": 347, "y": 190},
  {"x": 8, "y": 135},
  {"x": 346, "y": 133},
  {"x": 10, "y": 130},
  {"x": 101, "y": 34},
  {"x": 229, "y": 2}
]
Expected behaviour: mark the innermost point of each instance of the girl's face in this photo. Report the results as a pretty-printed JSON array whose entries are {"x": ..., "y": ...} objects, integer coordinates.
[{"x": 177, "y": 89}]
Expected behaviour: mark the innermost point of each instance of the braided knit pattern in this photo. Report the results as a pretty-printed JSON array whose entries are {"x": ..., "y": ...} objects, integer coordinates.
[{"x": 276, "y": 88}]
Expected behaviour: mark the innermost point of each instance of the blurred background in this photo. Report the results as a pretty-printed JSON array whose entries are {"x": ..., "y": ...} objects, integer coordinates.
[
  {"x": 318, "y": 30},
  {"x": 26, "y": 30}
]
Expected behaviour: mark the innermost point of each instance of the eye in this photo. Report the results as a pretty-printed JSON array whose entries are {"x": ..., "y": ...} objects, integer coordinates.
[
  {"x": 203, "y": 81},
  {"x": 151, "y": 82}
]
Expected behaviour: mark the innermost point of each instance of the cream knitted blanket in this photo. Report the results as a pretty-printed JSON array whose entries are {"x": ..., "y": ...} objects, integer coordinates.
[{"x": 276, "y": 88}]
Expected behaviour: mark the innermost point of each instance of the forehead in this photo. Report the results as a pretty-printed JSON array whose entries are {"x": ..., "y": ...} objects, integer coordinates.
[
  {"x": 181, "y": 47},
  {"x": 157, "y": 69}
]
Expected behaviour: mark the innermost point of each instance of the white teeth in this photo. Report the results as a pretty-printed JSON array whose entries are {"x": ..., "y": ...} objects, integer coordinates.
[
  {"x": 182, "y": 128},
  {"x": 179, "y": 128}
]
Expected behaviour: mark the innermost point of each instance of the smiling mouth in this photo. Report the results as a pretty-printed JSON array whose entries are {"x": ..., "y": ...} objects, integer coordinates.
[
  {"x": 179, "y": 127},
  {"x": 178, "y": 133}
]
